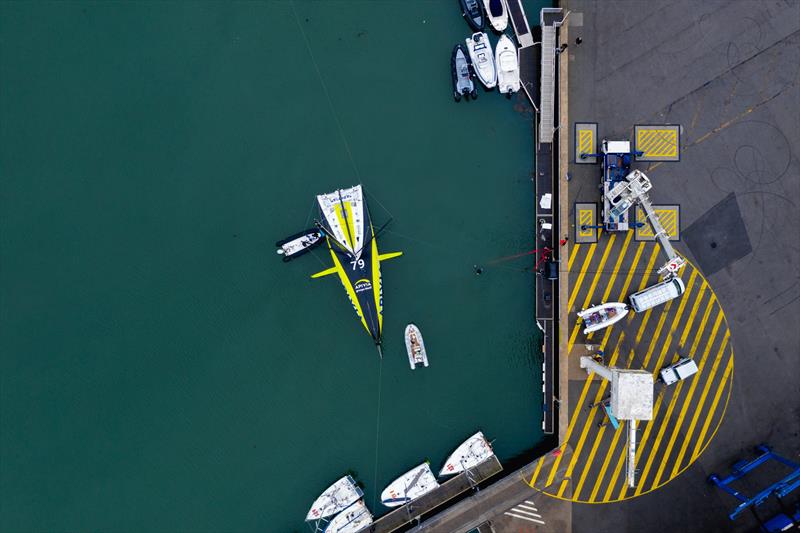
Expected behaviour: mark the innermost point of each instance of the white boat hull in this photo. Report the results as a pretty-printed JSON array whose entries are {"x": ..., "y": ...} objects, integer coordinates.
[
  {"x": 411, "y": 485},
  {"x": 497, "y": 13},
  {"x": 480, "y": 52},
  {"x": 335, "y": 499},
  {"x": 471, "y": 452},
  {"x": 354, "y": 518},
  {"x": 602, "y": 316},
  {"x": 507, "y": 65},
  {"x": 416, "y": 350}
]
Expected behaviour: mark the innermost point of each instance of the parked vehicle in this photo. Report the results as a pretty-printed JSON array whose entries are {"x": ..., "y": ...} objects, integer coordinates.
[{"x": 658, "y": 294}]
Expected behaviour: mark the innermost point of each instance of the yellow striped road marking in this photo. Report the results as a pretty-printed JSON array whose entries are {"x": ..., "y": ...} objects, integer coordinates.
[
  {"x": 589, "y": 420},
  {"x": 589, "y": 294},
  {"x": 574, "y": 419},
  {"x": 536, "y": 472},
  {"x": 675, "y": 321},
  {"x": 684, "y": 300},
  {"x": 573, "y": 254},
  {"x": 648, "y": 271},
  {"x": 686, "y": 402},
  {"x": 585, "y": 142},
  {"x": 586, "y": 263},
  {"x": 621, "y": 256},
  {"x": 657, "y": 142},
  {"x": 695, "y": 307},
  {"x": 668, "y": 342},
  {"x": 599, "y": 437},
  {"x": 620, "y": 430},
  {"x": 586, "y": 218},
  {"x": 642, "y": 285},
  {"x": 663, "y": 425},
  {"x": 713, "y": 408},
  {"x": 609, "y": 286},
  {"x": 673, "y": 402},
  {"x": 702, "y": 401},
  {"x": 629, "y": 277}
]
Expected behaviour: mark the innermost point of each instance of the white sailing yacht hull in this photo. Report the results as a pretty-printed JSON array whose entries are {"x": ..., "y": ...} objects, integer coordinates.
[
  {"x": 411, "y": 485},
  {"x": 335, "y": 498},
  {"x": 354, "y": 518},
  {"x": 471, "y": 452}
]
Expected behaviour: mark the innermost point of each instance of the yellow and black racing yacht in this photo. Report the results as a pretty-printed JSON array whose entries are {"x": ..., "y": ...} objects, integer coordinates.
[{"x": 348, "y": 230}]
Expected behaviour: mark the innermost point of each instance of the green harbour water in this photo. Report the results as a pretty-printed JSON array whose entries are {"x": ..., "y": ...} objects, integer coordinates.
[{"x": 161, "y": 368}]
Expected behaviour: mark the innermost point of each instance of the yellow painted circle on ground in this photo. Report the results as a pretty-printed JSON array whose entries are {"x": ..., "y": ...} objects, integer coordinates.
[{"x": 590, "y": 465}]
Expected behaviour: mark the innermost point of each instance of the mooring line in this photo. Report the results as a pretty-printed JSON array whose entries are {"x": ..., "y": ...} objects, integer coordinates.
[
  {"x": 327, "y": 93},
  {"x": 377, "y": 433}
]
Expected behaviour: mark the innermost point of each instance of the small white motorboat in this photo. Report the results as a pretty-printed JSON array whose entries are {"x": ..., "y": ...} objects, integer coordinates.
[
  {"x": 411, "y": 485},
  {"x": 415, "y": 347},
  {"x": 602, "y": 316},
  {"x": 507, "y": 64},
  {"x": 472, "y": 452},
  {"x": 335, "y": 498},
  {"x": 497, "y": 14},
  {"x": 480, "y": 52},
  {"x": 354, "y": 518},
  {"x": 299, "y": 243}
]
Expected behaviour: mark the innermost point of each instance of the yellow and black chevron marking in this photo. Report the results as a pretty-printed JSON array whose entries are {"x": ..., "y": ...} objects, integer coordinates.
[
  {"x": 585, "y": 215},
  {"x": 585, "y": 133},
  {"x": 670, "y": 217},
  {"x": 659, "y": 143},
  {"x": 686, "y": 415}
]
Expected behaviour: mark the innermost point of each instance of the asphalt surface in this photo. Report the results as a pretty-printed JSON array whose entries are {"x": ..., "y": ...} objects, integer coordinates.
[{"x": 728, "y": 74}]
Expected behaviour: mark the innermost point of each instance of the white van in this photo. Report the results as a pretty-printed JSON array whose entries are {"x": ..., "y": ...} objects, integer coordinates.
[
  {"x": 679, "y": 371},
  {"x": 658, "y": 294}
]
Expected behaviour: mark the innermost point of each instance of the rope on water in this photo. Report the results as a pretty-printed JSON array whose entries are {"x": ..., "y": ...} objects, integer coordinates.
[
  {"x": 375, "y": 198},
  {"x": 327, "y": 93},
  {"x": 377, "y": 434}
]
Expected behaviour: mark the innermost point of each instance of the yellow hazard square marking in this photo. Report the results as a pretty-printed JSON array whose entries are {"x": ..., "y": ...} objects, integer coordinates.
[
  {"x": 657, "y": 142},
  {"x": 669, "y": 218},
  {"x": 585, "y": 218},
  {"x": 585, "y": 142}
]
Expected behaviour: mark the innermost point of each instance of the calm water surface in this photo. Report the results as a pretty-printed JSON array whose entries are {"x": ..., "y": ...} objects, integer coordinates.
[{"x": 162, "y": 369}]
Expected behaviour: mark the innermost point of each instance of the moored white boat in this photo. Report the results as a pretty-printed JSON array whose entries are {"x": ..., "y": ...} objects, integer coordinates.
[
  {"x": 335, "y": 498},
  {"x": 461, "y": 71},
  {"x": 354, "y": 518},
  {"x": 411, "y": 485},
  {"x": 497, "y": 14},
  {"x": 473, "y": 12},
  {"x": 507, "y": 65},
  {"x": 299, "y": 243},
  {"x": 471, "y": 452},
  {"x": 480, "y": 52},
  {"x": 415, "y": 347},
  {"x": 602, "y": 316}
]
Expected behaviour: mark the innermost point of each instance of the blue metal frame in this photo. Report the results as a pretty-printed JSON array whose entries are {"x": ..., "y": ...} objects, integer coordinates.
[{"x": 742, "y": 468}]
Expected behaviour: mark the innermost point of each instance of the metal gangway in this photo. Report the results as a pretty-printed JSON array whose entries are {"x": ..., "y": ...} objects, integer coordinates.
[{"x": 548, "y": 73}]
